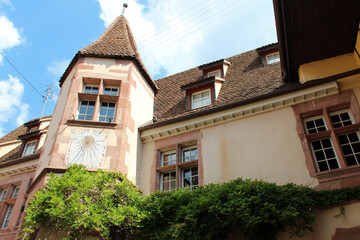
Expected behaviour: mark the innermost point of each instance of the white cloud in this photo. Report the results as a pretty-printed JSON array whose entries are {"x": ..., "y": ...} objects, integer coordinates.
[
  {"x": 192, "y": 33},
  {"x": 9, "y": 35},
  {"x": 12, "y": 108},
  {"x": 6, "y": 2},
  {"x": 57, "y": 68}
]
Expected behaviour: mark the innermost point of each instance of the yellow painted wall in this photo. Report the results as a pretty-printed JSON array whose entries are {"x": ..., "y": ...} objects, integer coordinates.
[{"x": 328, "y": 67}]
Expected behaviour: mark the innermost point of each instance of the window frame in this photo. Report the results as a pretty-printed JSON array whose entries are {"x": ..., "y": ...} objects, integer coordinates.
[
  {"x": 111, "y": 87},
  {"x": 106, "y": 116},
  {"x": 9, "y": 211},
  {"x": 272, "y": 61},
  {"x": 26, "y": 147},
  {"x": 87, "y": 107},
  {"x": 200, "y": 92},
  {"x": 15, "y": 192},
  {"x": 178, "y": 167},
  {"x": 213, "y": 73},
  {"x": 92, "y": 86},
  {"x": 3, "y": 194},
  {"x": 326, "y": 106}
]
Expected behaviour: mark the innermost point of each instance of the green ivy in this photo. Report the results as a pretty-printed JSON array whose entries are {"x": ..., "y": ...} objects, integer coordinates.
[{"x": 107, "y": 204}]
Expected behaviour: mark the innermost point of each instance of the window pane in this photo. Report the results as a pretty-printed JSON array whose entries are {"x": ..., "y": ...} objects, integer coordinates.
[
  {"x": 350, "y": 145},
  {"x": 315, "y": 125},
  {"x": 324, "y": 155}
]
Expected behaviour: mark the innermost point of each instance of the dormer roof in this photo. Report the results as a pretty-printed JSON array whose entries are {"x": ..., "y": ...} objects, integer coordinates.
[{"x": 116, "y": 42}]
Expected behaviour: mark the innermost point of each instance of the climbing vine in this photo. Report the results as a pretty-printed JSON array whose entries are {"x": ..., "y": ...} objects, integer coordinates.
[{"x": 111, "y": 207}]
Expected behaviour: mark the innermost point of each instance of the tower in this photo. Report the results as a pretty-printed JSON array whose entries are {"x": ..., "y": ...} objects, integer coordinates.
[{"x": 106, "y": 94}]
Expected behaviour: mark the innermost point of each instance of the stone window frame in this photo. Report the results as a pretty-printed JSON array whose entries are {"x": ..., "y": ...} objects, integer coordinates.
[
  {"x": 98, "y": 97},
  {"x": 335, "y": 178},
  {"x": 177, "y": 144},
  {"x": 9, "y": 211},
  {"x": 179, "y": 166}
]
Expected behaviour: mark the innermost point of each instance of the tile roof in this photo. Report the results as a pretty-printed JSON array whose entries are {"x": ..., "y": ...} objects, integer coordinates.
[
  {"x": 246, "y": 78},
  {"x": 13, "y": 156},
  {"x": 116, "y": 42},
  {"x": 13, "y": 135}
]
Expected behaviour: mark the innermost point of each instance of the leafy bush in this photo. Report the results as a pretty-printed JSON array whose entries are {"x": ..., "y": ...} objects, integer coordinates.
[
  {"x": 82, "y": 202},
  {"x": 108, "y": 205}
]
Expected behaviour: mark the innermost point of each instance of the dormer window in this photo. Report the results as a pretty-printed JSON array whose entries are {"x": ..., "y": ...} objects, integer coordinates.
[
  {"x": 29, "y": 148},
  {"x": 200, "y": 99},
  {"x": 272, "y": 58},
  {"x": 33, "y": 129},
  {"x": 216, "y": 73},
  {"x": 269, "y": 54}
]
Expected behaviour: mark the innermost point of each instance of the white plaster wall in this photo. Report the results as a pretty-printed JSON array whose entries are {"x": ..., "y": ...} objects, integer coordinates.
[
  {"x": 145, "y": 166},
  {"x": 265, "y": 146},
  {"x": 5, "y": 148},
  {"x": 41, "y": 141},
  {"x": 54, "y": 124},
  {"x": 142, "y": 104},
  {"x": 326, "y": 224},
  {"x": 44, "y": 124}
]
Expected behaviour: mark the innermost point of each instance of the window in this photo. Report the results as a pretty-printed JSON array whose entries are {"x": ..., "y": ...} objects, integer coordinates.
[
  {"x": 8, "y": 216},
  {"x": 168, "y": 159},
  {"x": 320, "y": 130},
  {"x": 107, "y": 112},
  {"x": 29, "y": 148},
  {"x": 273, "y": 58},
  {"x": 200, "y": 99},
  {"x": 190, "y": 178},
  {"x": 16, "y": 192},
  {"x": 98, "y": 100},
  {"x": 168, "y": 181},
  {"x": 91, "y": 89},
  {"x": 2, "y": 195},
  {"x": 33, "y": 129},
  {"x": 112, "y": 91},
  {"x": 189, "y": 154},
  {"x": 86, "y": 110},
  {"x": 216, "y": 73},
  {"x": 179, "y": 172}
]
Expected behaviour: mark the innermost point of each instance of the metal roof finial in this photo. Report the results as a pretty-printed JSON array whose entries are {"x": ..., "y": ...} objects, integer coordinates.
[{"x": 125, "y": 5}]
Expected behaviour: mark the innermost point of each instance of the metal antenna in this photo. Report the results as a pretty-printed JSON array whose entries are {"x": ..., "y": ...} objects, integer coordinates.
[
  {"x": 125, "y": 5},
  {"x": 48, "y": 93}
]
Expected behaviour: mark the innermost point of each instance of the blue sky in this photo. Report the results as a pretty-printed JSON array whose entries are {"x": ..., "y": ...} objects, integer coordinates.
[{"x": 41, "y": 37}]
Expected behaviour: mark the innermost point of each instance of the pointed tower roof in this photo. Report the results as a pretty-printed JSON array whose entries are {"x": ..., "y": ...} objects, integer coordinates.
[{"x": 116, "y": 42}]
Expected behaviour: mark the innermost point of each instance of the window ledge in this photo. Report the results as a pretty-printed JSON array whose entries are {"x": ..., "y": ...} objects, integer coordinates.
[
  {"x": 166, "y": 168},
  {"x": 87, "y": 123},
  {"x": 188, "y": 164},
  {"x": 109, "y": 98},
  {"x": 87, "y": 96},
  {"x": 338, "y": 174}
]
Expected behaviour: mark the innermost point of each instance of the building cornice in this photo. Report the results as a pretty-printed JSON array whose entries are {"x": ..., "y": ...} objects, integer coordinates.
[
  {"x": 286, "y": 100},
  {"x": 18, "y": 169}
]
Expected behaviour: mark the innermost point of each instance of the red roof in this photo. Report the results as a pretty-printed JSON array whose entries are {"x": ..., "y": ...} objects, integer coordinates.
[{"x": 116, "y": 42}]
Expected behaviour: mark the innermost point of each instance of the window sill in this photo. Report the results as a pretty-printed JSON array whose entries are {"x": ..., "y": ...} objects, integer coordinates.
[
  {"x": 87, "y": 96},
  {"x": 109, "y": 98},
  {"x": 188, "y": 164},
  {"x": 338, "y": 174},
  {"x": 87, "y": 123},
  {"x": 166, "y": 168}
]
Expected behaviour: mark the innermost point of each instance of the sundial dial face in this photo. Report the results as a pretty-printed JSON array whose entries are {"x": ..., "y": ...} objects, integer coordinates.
[{"x": 87, "y": 147}]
